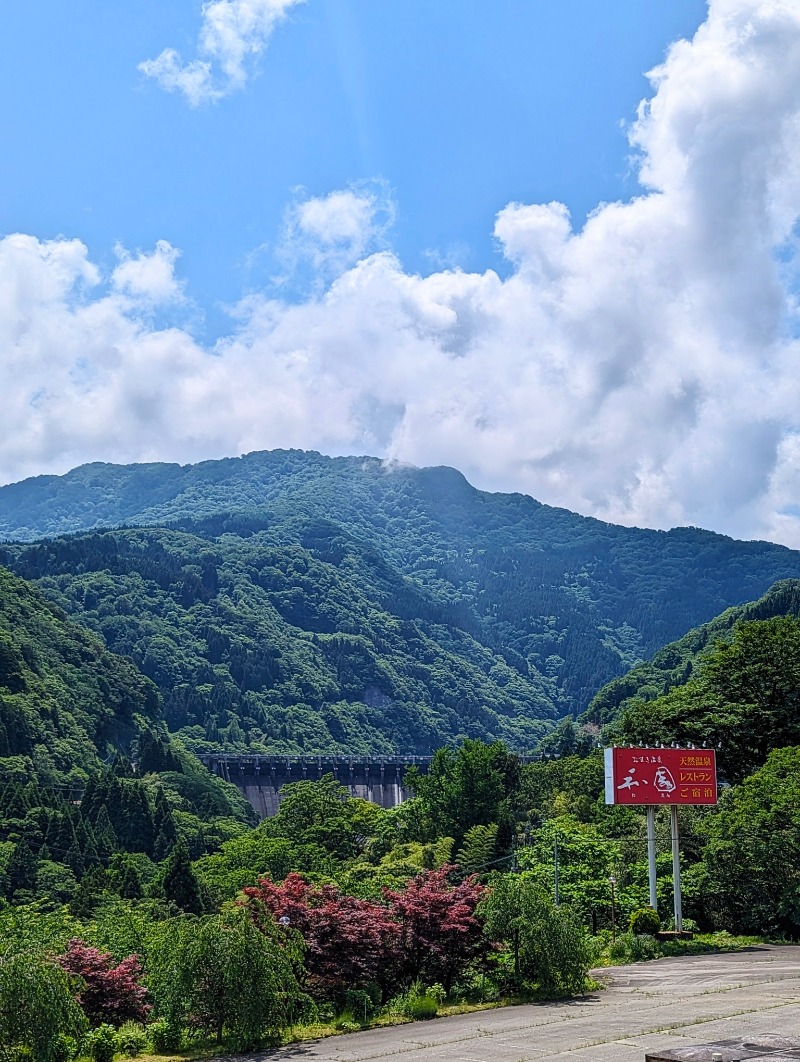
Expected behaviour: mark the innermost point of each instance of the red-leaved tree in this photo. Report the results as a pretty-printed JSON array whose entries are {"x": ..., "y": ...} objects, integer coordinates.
[
  {"x": 349, "y": 942},
  {"x": 109, "y": 993},
  {"x": 439, "y": 932}
]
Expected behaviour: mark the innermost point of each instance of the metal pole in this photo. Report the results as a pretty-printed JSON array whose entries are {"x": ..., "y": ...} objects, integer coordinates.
[
  {"x": 555, "y": 875},
  {"x": 676, "y": 869},
  {"x": 651, "y": 855},
  {"x": 612, "y": 882}
]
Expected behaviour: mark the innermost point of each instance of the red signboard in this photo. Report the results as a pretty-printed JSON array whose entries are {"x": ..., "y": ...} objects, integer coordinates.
[{"x": 661, "y": 776}]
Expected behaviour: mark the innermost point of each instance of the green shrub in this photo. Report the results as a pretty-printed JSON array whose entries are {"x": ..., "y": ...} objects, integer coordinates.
[
  {"x": 420, "y": 1003},
  {"x": 131, "y": 1039},
  {"x": 101, "y": 1043},
  {"x": 438, "y": 992},
  {"x": 633, "y": 947},
  {"x": 361, "y": 1004},
  {"x": 164, "y": 1036},
  {"x": 65, "y": 1048},
  {"x": 645, "y": 920}
]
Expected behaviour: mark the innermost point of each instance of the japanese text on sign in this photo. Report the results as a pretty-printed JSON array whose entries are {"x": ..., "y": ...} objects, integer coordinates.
[{"x": 660, "y": 776}]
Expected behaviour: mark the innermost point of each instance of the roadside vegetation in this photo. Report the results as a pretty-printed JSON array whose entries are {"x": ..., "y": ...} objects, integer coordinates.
[{"x": 336, "y": 914}]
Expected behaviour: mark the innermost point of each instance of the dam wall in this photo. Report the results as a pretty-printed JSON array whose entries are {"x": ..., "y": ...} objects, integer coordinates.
[{"x": 381, "y": 780}]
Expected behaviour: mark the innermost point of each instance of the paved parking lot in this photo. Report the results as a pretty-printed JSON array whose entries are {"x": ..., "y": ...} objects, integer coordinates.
[{"x": 648, "y": 1006}]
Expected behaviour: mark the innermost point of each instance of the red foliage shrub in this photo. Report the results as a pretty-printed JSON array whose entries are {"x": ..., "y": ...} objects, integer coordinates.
[
  {"x": 110, "y": 993},
  {"x": 349, "y": 942},
  {"x": 439, "y": 932}
]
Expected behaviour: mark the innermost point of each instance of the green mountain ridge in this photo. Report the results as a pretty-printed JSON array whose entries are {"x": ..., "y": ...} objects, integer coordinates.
[
  {"x": 733, "y": 684},
  {"x": 66, "y": 702},
  {"x": 295, "y": 602},
  {"x": 678, "y": 662}
]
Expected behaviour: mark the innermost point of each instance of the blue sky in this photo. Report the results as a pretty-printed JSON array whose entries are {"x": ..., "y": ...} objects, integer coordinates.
[
  {"x": 553, "y": 244},
  {"x": 460, "y": 106}
]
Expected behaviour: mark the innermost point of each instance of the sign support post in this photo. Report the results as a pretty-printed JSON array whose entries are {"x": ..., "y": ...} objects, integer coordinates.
[
  {"x": 651, "y": 855},
  {"x": 676, "y": 868}
]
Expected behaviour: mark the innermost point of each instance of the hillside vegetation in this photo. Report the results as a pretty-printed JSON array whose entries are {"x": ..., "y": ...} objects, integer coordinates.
[
  {"x": 73, "y": 718},
  {"x": 298, "y": 602}
]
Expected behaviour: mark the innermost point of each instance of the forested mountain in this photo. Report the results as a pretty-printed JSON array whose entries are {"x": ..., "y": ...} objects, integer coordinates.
[
  {"x": 293, "y": 601},
  {"x": 271, "y": 647},
  {"x": 733, "y": 683},
  {"x": 66, "y": 703},
  {"x": 72, "y": 717},
  {"x": 678, "y": 662}
]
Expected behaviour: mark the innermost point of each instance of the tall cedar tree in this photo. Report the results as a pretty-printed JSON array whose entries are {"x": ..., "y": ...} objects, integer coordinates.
[{"x": 180, "y": 884}]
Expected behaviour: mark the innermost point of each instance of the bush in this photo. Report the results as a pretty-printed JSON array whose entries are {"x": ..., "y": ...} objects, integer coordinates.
[
  {"x": 632, "y": 947},
  {"x": 360, "y": 1004},
  {"x": 645, "y": 920},
  {"x": 165, "y": 1037},
  {"x": 101, "y": 1043},
  {"x": 65, "y": 1048},
  {"x": 131, "y": 1039},
  {"x": 420, "y": 1003}
]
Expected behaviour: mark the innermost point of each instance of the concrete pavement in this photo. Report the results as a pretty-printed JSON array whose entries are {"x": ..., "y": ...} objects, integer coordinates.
[{"x": 648, "y": 1006}]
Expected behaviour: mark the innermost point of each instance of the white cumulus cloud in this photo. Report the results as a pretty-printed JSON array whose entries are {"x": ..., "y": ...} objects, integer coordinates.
[
  {"x": 642, "y": 368},
  {"x": 233, "y": 34},
  {"x": 327, "y": 234},
  {"x": 148, "y": 277}
]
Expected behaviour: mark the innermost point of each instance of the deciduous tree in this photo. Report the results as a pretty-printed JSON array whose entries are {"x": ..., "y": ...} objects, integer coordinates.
[
  {"x": 36, "y": 1007},
  {"x": 110, "y": 992},
  {"x": 440, "y": 933},
  {"x": 349, "y": 942}
]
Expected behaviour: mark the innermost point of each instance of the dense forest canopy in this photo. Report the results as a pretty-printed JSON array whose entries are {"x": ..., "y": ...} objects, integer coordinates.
[
  {"x": 75, "y": 720},
  {"x": 304, "y": 603}
]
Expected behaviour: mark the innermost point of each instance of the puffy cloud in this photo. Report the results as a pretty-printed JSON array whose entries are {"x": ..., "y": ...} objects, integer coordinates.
[
  {"x": 327, "y": 234},
  {"x": 643, "y": 369},
  {"x": 148, "y": 277},
  {"x": 233, "y": 33}
]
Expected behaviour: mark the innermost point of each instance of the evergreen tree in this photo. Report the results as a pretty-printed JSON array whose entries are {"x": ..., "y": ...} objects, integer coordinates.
[
  {"x": 21, "y": 871},
  {"x": 13, "y": 804},
  {"x": 105, "y": 837},
  {"x": 89, "y": 892},
  {"x": 179, "y": 881},
  {"x": 163, "y": 827},
  {"x": 135, "y": 824},
  {"x": 130, "y": 882}
]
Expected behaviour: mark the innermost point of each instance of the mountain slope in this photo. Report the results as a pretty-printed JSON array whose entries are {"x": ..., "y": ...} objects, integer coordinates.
[
  {"x": 733, "y": 683},
  {"x": 677, "y": 663},
  {"x": 266, "y": 647},
  {"x": 66, "y": 703},
  {"x": 559, "y": 603},
  {"x": 72, "y": 718}
]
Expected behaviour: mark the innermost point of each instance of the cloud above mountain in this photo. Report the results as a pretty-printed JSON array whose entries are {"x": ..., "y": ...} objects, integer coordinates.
[{"x": 642, "y": 368}]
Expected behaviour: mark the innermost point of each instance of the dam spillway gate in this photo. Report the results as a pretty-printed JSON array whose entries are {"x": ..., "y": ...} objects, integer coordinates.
[{"x": 381, "y": 780}]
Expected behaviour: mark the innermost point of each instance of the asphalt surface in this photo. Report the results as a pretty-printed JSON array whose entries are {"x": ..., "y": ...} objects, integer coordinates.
[{"x": 649, "y": 1006}]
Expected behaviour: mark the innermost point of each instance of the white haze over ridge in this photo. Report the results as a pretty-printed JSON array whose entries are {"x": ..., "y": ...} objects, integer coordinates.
[{"x": 643, "y": 369}]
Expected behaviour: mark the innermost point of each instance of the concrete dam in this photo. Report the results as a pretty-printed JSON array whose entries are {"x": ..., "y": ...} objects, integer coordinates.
[{"x": 380, "y": 780}]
